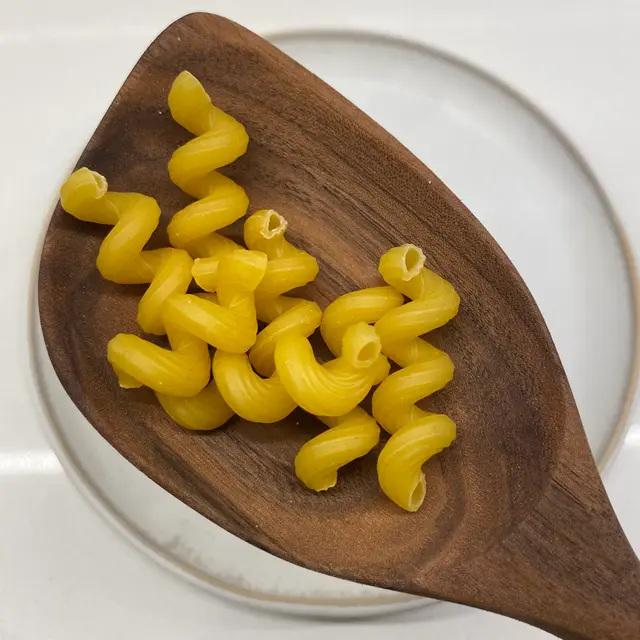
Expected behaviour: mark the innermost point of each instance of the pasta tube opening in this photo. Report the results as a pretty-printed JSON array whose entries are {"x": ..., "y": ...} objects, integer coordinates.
[
  {"x": 361, "y": 345},
  {"x": 81, "y": 189},
  {"x": 413, "y": 261},
  {"x": 401, "y": 264},
  {"x": 400, "y": 461},
  {"x": 264, "y": 231}
]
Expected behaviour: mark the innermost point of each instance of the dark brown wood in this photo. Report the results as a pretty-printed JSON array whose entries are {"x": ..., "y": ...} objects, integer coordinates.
[{"x": 516, "y": 519}]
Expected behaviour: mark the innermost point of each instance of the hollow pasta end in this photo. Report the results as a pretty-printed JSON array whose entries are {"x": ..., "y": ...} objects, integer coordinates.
[
  {"x": 273, "y": 225},
  {"x": 416, "y": 498},
  {"x": 414, "y": 260}
]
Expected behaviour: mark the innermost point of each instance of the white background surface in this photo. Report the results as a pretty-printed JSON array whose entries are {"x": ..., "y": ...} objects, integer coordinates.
[{"x": 63, "y": 574}]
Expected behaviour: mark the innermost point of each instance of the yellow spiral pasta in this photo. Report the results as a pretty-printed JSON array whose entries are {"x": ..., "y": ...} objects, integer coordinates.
[
  {"x": 205, "y": 411},
  {"x": 336, "y": 387},
  {"x": 401, "y": 459},
  {"x": 122, "y": 258},
  {"x": 353, "y": 435},
  {"x": 365, "y": 305},
  {"x": 416, "y": 434},
  {"x": 349, "y": 437},
  {"x": 193, "y": 167},
  {"x": 253, "y": 398},
  {"x": 208, "y": 252},
  {"x": 256, "y": 398},
  {"x": 191, "y": 323},
  {"x": 288, "y": 268},
  {"x": 230, "y": 324}
]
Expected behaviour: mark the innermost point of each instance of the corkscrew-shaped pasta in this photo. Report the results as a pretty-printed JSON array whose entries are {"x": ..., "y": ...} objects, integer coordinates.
[
  {"x": 434, "y": 303},
  {"x": 401, "y": 459},
  {"x": 203, "y": 412},
  {"x": 253, "y": 398},
  {"x": 193, "y": 167},
  {"x": 353, "y": 435},
  {"x": 365, "y": 305},
  {"x": 288, "y": 268},
  {"x": 349, "y": 437},
  {"x": 208, "y": 252},
  {"x": 264, "y": 376},
  {"x": 336, "y": 387},
  {"x": 220, "y": 140},
  {"x": 265, "y": 399},
  {"x": 416, "y": 434},
  {"x": 122, "y": 258},
  {"x": 191, "y": 323},
  {"x": 231, "y": 323}
]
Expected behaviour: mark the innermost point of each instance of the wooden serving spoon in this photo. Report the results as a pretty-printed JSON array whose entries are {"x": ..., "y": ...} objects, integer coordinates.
[{"x": 516, "y": 520}]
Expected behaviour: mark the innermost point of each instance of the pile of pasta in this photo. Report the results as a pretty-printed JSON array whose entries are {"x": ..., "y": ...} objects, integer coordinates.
[{"x": 263, "y": 374}]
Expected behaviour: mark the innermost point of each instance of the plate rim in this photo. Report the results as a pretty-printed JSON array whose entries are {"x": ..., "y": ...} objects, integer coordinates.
[{"x": 307, "y": 605}]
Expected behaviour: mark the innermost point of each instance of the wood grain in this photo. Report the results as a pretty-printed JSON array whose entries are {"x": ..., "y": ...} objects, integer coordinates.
[{"x": 515, "y": 520}]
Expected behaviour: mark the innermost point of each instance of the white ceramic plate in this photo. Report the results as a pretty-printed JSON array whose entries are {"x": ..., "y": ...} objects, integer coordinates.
[{"x": 525, "y": 182}]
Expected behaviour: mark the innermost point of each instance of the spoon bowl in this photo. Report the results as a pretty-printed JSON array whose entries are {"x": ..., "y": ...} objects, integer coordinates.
[{"x": 515, "y": 519}]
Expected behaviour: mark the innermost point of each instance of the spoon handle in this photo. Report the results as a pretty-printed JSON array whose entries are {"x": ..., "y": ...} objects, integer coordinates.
[
  {"x": 566, "y": 568},
  {"x": 575, "y": 577}
]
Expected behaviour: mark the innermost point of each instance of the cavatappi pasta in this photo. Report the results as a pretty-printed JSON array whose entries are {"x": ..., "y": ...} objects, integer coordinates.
[
  {"x": 352, "y": 435},
  {"x": 288, "y": 268},
  {"x": 122, "y": 259},
  {"x": 349, "y": 437},
  {"x": 256, "y": 398},
  {"x": 338, "y": 386},
  {"x": 203, "y": 412},
  {"x": 264, "y": 375},
  {"x": 191, "y": 323},
  {"x": 416, "y": 434},
  {"x": 365, "y": 305},
  {"x": 220, "y": 139},
  {"x": 220, "y": 202}
]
